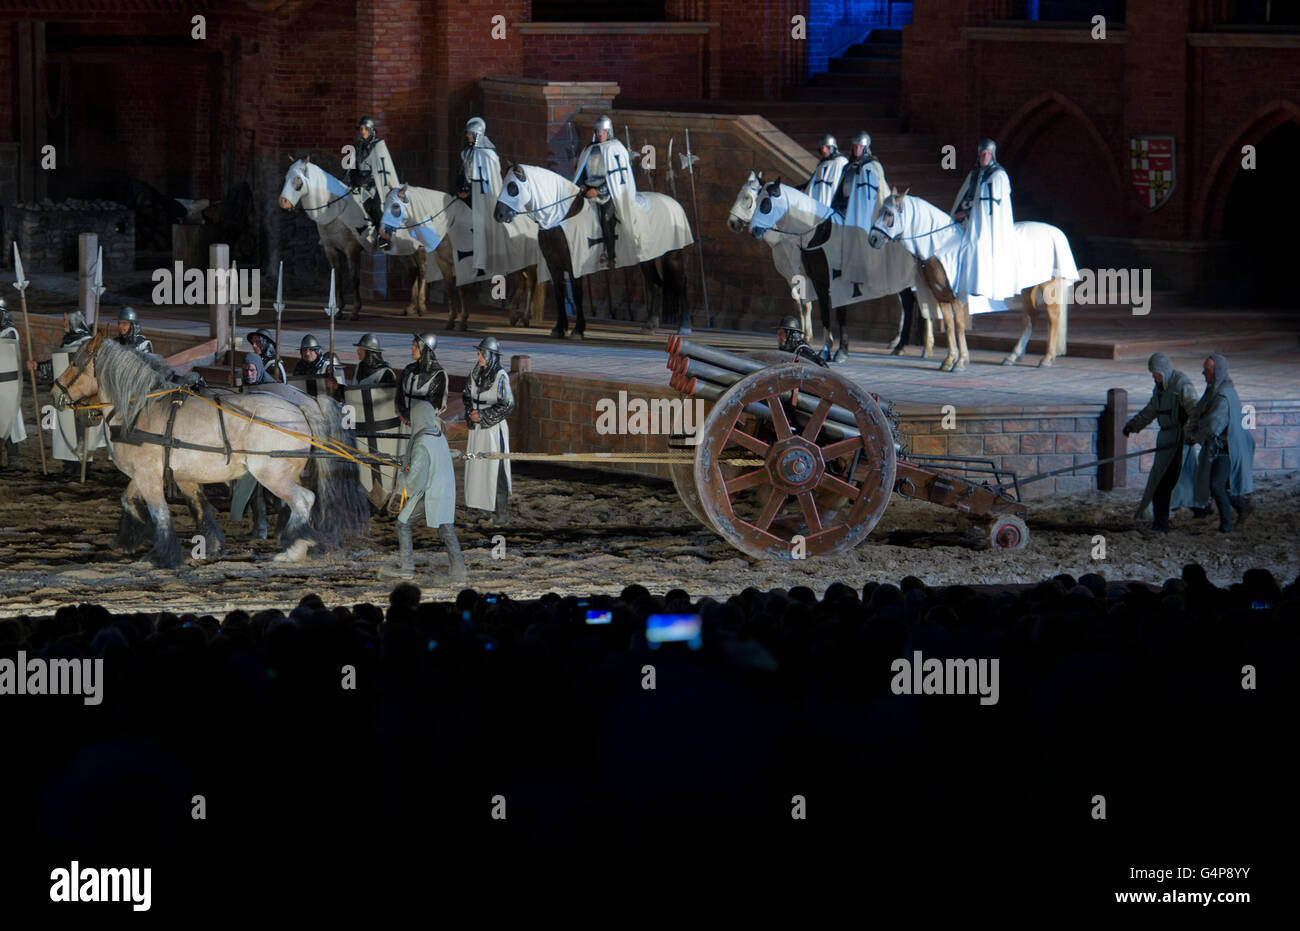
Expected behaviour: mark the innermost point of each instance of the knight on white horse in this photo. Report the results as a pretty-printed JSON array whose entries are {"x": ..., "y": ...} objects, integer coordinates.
[
  {"x": 496, "y": 248},
  {"x": 825, "y": 181},
  {"x": 374, "y": 175}
]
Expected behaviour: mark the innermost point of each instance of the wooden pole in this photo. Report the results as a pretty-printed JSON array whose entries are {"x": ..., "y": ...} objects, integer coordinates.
[{"x": 1113, "y": 442}]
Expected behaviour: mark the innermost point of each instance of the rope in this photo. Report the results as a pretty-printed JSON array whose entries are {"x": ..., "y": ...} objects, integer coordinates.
[{"x": 607, "y": 457}]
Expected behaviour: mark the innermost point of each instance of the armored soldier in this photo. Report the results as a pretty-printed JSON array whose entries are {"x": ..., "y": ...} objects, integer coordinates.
[
  {"x": 605, "y": 175},
  {"x": 264, "y": 345},
  {"x": 373, "y": 177},
  {"x": 70, "y": 426},
  {"x": 488, "y": 401},
  {"x": 426, "y": 475},
  {"x": 373, "y": 370},
  {"x": 825, "y": 180},
  {"x": 12, "y": 429},
  {"x": 987, "y": 266},
  {"x": 790, "y": 339},
  {"x": 128, "y": 328},
  {"x": 312, "y": 361},
  {"x": 861, "y": 182},
  {"x": 478, "y": 184},
  {"x": 424, "y": 378}
]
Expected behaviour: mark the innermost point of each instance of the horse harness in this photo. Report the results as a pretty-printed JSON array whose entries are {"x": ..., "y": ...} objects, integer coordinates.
[{"x": 131, "y": 435}]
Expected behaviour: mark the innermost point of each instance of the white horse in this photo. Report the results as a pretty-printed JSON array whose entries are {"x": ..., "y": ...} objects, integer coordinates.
[
  {"x": 808, "y": 238},
  {"x": 1043, "y": 258},
  {"x": 570, "y": 238},
  {"x": 435, "y": 218},
  {"x": 340, "y": 221}
]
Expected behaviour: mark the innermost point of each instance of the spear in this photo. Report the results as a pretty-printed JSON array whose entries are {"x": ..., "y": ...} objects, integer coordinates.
[
  {"x": 279, "y": 310},
  {"x": 21, "y": 284},
  {"x": 330, "y": 310},
  {"x": 98, "y": 286},
  {"x": 689, "y": 161},
  {"x": 234, "y": 305}
]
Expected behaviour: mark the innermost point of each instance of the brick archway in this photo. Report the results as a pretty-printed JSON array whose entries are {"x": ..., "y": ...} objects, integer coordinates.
[
  {"x": 1227, "y": 162},
  {"x": 1044, "y": 109}
]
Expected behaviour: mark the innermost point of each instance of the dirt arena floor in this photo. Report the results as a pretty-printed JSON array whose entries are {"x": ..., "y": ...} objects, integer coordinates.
[{"x": 584, "y": 532}]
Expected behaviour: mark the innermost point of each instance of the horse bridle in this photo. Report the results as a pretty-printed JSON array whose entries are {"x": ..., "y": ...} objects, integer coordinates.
[
  {"x": 59, "y": 393},
  {"x": 896, "y": 238}
]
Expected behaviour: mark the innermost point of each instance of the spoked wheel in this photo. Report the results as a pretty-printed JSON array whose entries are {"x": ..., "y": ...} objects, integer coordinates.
[{"x": 796, "y": 480}]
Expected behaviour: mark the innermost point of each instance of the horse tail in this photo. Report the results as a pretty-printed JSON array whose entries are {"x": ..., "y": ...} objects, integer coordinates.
[{"x": 342, "y": 509}]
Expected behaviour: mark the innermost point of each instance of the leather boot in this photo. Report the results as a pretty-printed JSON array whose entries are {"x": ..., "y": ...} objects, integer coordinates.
[
  {"x": 405, "y": 567},
  {"x": 448, "y": 533},
  {"x": 259, "y": 516},
  {"x": 503, "y": 498},
  {"x": 11, "y": 453}
]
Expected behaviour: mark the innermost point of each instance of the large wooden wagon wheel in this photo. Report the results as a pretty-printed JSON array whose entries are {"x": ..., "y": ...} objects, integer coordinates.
[{"x": 808, "y": 484}]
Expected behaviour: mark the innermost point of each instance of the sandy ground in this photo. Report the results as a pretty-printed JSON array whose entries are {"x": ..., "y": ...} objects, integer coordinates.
[{"x": 585, "y": 532}]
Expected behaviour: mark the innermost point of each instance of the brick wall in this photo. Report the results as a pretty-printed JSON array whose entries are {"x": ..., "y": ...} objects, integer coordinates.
[
  {"x": 1277, "y": 440},
  {"x": 665, "y": 65}
]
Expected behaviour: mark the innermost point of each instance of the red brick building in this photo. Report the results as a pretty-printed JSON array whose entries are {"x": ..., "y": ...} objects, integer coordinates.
[{"x": 136, "y": 89}]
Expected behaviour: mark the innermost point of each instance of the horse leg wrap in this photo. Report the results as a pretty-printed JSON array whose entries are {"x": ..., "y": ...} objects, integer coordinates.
[{"x": 456, "y": 572}]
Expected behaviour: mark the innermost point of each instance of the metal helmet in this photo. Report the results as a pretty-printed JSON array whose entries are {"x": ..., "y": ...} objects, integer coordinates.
[
  {"x": 476, "y": 126},
  {"x": 368, "y": 342},
  {"x": 829, "y": 140},
  {"x": 489, "y": 344},
  {"x": 309, "y": 342},
  {"x": 604, "y": 123},
  {"x": 128, "y": 314},
  {"x": 427, "y": 341},
  {"x": 369, "y": 124},
  {"x": 789, "y": 334},
  {"x": 863, "y": 139},
  {"x": 988, "y": 144},
  {"x": 268, "y": 341}
]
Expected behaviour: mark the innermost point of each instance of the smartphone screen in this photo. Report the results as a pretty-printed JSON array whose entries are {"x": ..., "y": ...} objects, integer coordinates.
[
  {"x": 673, "y": 628},
  {"x": 600, "y": 617}
]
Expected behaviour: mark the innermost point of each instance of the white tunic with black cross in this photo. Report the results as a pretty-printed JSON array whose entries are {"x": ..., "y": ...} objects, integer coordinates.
[
  {"x": 11, "y": 388},
  {"x": 490, "y": 435}
]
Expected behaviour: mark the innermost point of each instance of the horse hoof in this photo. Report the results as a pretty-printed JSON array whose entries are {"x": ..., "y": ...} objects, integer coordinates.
[
  {"x": 294, "y": 553},
  {"x": 1045, "y": 362},
  {"x": 840, "y": 356},
  {"x": 1010, "y": 360},
  {"x": 462, "y": 326},
  {"x": 558, "y": 334},
  {"x": 579, "y": 334}
]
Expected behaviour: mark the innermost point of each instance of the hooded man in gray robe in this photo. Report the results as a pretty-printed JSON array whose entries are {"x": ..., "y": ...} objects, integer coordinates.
[
  {"x": 1171, "y": 404},
  {"x": 1226, "y": 468},
  {"x": 426, "y": 475}
]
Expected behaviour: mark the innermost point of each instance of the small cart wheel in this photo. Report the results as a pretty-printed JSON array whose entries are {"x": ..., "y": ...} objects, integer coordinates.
[{"x": 1008, "y": 532}]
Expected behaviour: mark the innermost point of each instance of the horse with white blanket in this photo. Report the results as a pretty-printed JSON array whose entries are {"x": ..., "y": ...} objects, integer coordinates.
[
  {"x": 1043, "y": 259},
  {"x": 808, "y": 236},
  {"x": 570, "y": 236}
]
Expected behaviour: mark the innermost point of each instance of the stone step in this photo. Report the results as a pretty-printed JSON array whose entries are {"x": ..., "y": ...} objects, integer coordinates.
[
  {"x": 874, "y": 50},
  {"x": 882, "y": 84}
]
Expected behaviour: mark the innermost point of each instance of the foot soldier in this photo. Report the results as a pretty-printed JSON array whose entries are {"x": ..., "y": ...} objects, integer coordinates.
[
  {"x": 422, "y": 379},
  {"x": 1171, "y": 404},
  {"x": 983, "y": 207},
  {"x": 312, "y": 361},
  {"x": 371, "y": 180},
  {"x": 372, "y": 370},
  {"x": 12, "y": 429},
  {"x": 73, "y": 429},
  {"x": 246, "y": 489},
  {"x": 128, "y": 329},
  {"x": 427, "y": 475},
  {"x": 605, "y": 174},
  {"x": 488, "y": 401},
  {"x": 264, "y": 345},
  {"x": 825, "y": 180},
  {"x": 1227, "y": 459},
  {"x": 789, "y": 338}
]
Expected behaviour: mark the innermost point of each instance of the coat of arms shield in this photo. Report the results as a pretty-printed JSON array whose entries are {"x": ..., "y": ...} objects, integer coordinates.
[{"x": 1151, "y": 159}]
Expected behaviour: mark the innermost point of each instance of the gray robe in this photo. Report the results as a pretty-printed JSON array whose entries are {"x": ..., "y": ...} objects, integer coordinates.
[
  {"x": 428, "y": 473},
  {"x": 1216, "y": 422},
  {"x": 1170, "y": 405}
]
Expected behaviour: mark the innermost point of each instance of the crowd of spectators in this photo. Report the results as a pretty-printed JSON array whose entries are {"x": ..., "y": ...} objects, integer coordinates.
[{"x": 373, "y": 729}]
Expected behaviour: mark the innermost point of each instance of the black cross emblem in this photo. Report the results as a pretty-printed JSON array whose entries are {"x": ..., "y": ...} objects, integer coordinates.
[
  {"x": 821, "y": 180},
  {"x": 620, "y": 170},
  {"x": 383, "y": 171},
  {"x": 875, "y": 188},
  {"x": 989, "y": 199},
  {"x": 482, "y": 184}
]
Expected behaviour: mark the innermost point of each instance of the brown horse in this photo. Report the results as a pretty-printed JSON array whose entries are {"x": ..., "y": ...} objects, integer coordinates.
[{"x": 217, "y": 436}]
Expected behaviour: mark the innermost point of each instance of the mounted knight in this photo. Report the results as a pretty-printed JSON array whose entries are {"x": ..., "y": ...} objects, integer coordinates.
[
  {"x": 374, "y": 175},
  {"x": 987, "y": 267},
  {"x": 825, "y": 181},
  {"x": 605, "y": 175}
]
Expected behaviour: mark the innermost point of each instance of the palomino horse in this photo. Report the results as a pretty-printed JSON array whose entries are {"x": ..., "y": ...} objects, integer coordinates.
[
  {"x": 570, "y": 238},
  {"x": 1043, "y": 258},
  {"x": 215, "y": 437},
  {"x": 434, "y": 219},
  {"x": 835, "y": 258},
  {"x": 339, "y": 220}
]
